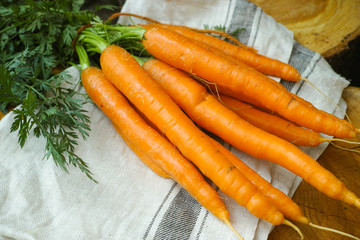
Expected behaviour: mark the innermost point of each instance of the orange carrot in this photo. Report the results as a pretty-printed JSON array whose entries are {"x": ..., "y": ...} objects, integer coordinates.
[
  {"x": 129, "y": 77},
  {"x": 273, "y": 124},
  {"x": 285, "y": 204},
  {"x": 148, "y": 140},
  {"x": 277, "y": 84},
  {"x": 209, "y": 113},
  {"x": 144, "y": 157},
  {"x": 260, "y": 62},
  {"x": 348, "y": 129},
  {"x": 208, "y": 31},
  {"x": 238, "y": 61},
  {"x": 277, "y": 125},
  {"x": 235, "y": 80}
]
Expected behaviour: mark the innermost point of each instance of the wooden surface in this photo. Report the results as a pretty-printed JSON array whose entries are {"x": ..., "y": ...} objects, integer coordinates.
[{"x": 325, "y": 26}]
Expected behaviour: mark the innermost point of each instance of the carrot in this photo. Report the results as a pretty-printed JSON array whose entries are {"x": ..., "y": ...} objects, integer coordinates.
[
  {"x": 284, "y": 203},
  {"x": 149, "y": 141},
  {"x": 240, "y": 51},
  {"x": 260, "y": 62},
  {"x": 208, "y": 31},
  {"x": 348, "y": 129},
  {"x": 218, "y": 51},
  {"x": 277, "y": 84},
  {"x": 209, "y": 113},
  {"x": 276, "y": 125},
  {"x": 309, "y": 105},
  {"x": 144, "y": 157},
  {"x": 235, "y": 80},
  {"x": 273, "y": 124}
]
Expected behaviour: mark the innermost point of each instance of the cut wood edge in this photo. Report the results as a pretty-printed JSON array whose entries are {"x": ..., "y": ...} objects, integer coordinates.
[{"x": 326, "y": 27}]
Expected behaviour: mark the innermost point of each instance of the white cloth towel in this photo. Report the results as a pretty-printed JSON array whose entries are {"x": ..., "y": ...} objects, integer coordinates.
[{"x": 39, "y": 201}]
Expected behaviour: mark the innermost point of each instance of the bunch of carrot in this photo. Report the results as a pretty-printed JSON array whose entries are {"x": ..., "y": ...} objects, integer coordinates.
[{"x": 156, "y": 104}]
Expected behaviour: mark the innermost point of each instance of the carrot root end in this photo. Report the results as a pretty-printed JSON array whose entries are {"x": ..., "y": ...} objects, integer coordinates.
[
  {"x": 233, "y": 229},
  {"x": 334, "y": 231},
  {"x": 290, "y": 224}
]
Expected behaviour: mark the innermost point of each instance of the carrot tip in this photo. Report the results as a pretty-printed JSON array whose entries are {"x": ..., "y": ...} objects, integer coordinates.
[
  {"x": 303, "y": 220},
  {"x": 339, "y": 140},
  {"x": 290, "y": 224},
  {"x": 352, "y": 199},
  {"x": 233, "y": 229},
  {"x": 345, "y": 149},
  {"x": 357, "y": 130},
  {"x": 357, "y": 203},
  {"x": 333, "y": 230}
]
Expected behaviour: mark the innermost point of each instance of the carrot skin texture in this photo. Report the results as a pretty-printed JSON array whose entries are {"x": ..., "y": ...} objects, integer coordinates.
[
  {"x": 235, "y": 79},
  {"x": 272, "y": 123},
  {"x": 285, "y": 204},
  {"x": 260, "y": 62},
  {"x": 142, "y": 155},
  {"x": 132, "y": 80},
  {"x": 216, "y": 118},
  {"x": 117, "y": 108}
]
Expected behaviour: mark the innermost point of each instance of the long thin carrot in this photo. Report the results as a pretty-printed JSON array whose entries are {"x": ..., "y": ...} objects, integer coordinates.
[
  {"x": 208, "y": 31},
  {"x": 349, "y": 130},
  {"x": 285, "y": 204},
  {"x": 209, "y": 113},
  {"x": 260, "y": 62},
  {"x": 194, "y": 59},
  {"x": 148, "y": 140},
  {"x": 242, "y": 52},
  {"x": 142, "y": 155},
  {"x": 276, "y": 125}
]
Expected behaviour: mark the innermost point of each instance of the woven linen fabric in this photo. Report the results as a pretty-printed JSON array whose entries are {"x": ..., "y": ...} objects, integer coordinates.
[{"x": 40, "y": 201}]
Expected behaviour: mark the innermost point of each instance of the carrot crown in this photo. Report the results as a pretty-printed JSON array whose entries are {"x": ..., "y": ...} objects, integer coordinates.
[
  {"x": 117, "y": 33},
  {"x": 92, "y": 40},
  {"x": 97, "y": 37}
]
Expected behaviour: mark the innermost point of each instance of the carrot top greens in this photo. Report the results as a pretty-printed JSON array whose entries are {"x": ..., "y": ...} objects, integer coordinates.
[{"x": 36, "y": 40}]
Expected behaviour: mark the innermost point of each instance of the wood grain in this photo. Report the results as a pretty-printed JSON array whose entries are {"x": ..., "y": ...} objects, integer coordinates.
[{"x": 325, "y": 26}]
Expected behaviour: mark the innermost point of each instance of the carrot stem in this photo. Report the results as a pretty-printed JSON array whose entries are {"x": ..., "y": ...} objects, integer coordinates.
[
  {"x": 83, "y": 57},
  {"x": 142, "y": 60},
  {"x": 119, "y": 32},
  {"x": 97, "y": 43}
]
